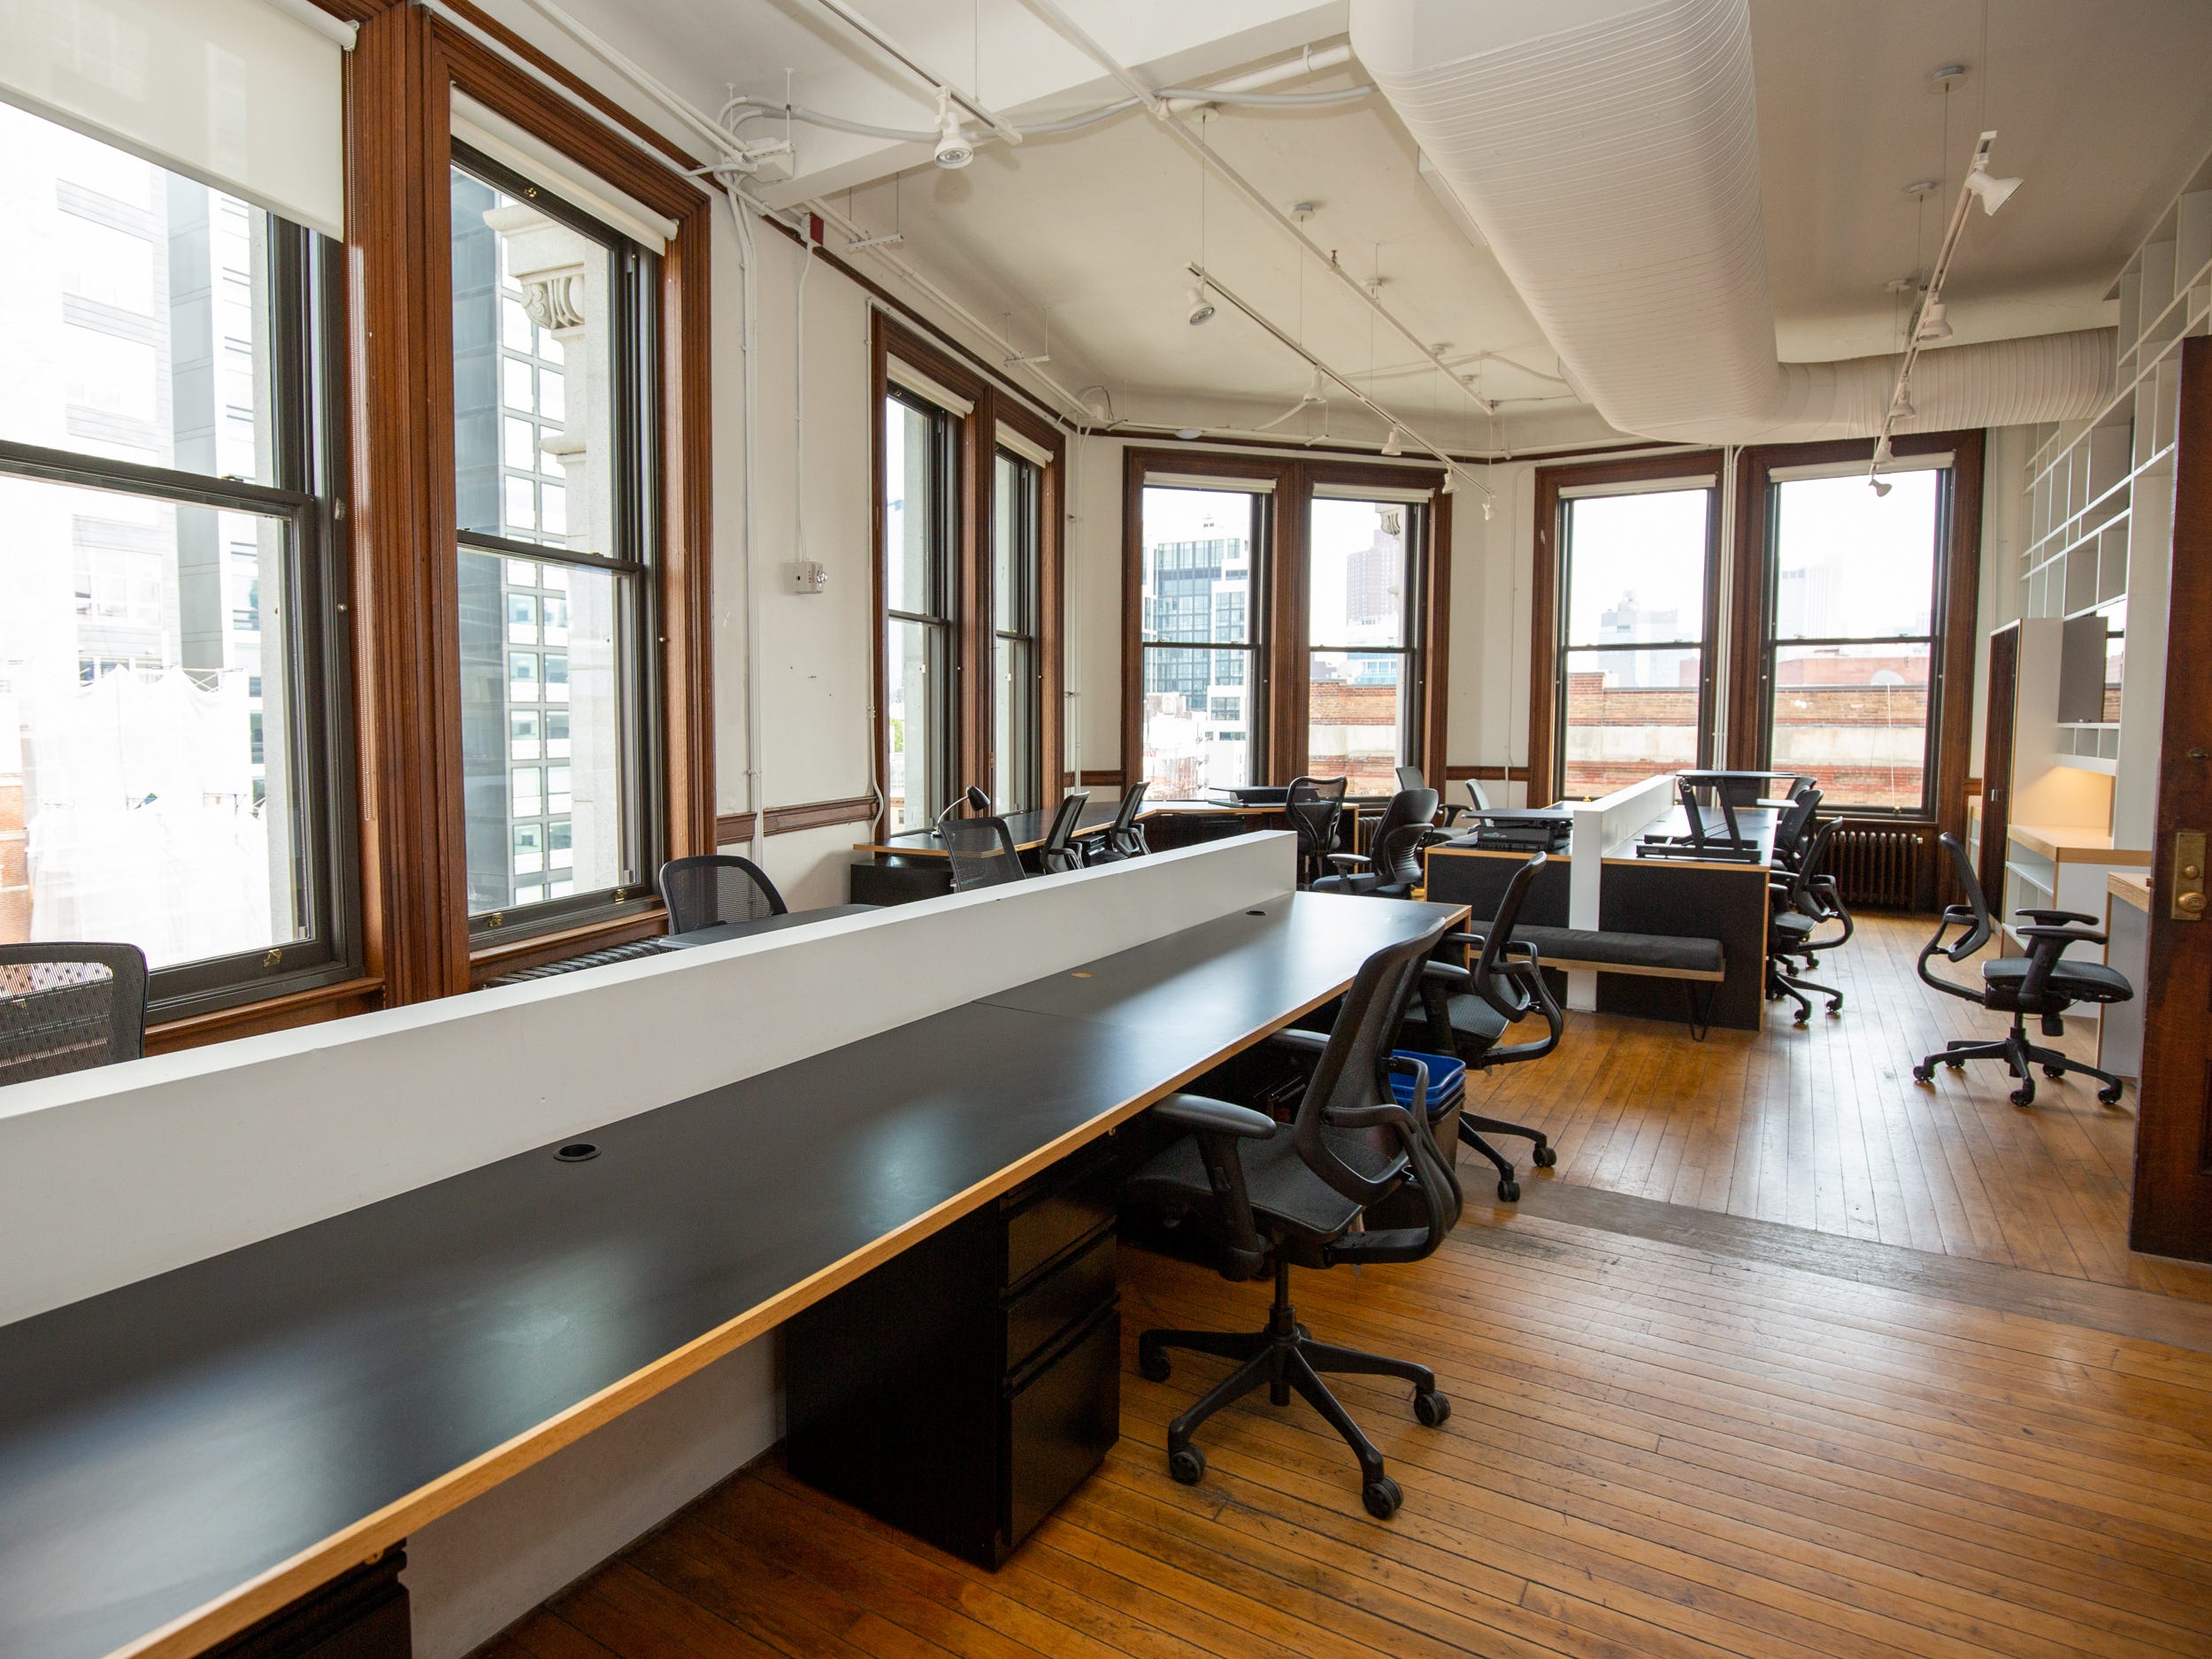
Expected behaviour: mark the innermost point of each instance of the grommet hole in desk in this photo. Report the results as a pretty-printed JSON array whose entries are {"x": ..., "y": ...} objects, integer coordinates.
[{"x": 578, "y": 1152}]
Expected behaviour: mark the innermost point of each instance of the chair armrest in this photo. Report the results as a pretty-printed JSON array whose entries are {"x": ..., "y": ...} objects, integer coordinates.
[
  {"x": 1312, "y": 1042},
  {"x": 2069, "y": 935},
  {"x": 1452, "y": 814},
  {"x": 2052, "y": 919},
  {"x": 1345, "y": 861},
  {"x": 1216, "y": 1117}
]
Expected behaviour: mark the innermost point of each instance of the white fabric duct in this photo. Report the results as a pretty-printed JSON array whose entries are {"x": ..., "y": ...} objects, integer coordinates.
[{"x": 1609, "y": 151}]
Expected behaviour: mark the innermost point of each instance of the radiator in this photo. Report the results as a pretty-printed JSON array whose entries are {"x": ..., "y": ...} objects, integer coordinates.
[{"x": 1880, "y": 865}]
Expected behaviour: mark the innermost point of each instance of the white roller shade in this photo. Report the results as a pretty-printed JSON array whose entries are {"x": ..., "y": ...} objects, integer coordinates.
[
  {"x": 1641, "y": 487},
  {"x": 905, "y": 374},
  {"x": 242, "y": 95},
  {"x": 1375, "y": 492},
  {"x": 1200, "y": 480},
  {"x": 1857, "y": 469},
  {"x": 1014, "y": 443},
  {"x": 493, "y": 134}
]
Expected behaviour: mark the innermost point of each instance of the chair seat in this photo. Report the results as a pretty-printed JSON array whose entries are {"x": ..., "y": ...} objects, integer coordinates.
[
  {"x": 1288, "y": 1200},
  {"x": 1473, "y": 1019},
  {"x": 1352, "y": 881},
  {"x": 1792, "y": 925},
  {"x": 2071, "y": 981}
]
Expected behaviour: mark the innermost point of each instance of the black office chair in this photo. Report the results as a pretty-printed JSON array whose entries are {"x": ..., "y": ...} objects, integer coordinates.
[
  {"x": 1125, "y": 836},
  {"x": 1410, "y": 777},
  {"x": 1391, "y": 867},
  {"x": 1797, "y": 907},
  {"x": 2044, "y": 983},
  {"x": 1060, "y": 853},
  {"x": 982, "y": 852},
  {"x": 1478, "y": 795},
  {"x": 1466, "y": 1012},
  {"x": 1316, "y": 809},
  {"x": 69, "y": 1008},
  {"x": 711, "y": 889},
  {"x": 1791, "y": 828},
  {"x": 1283, "y": 1198}
]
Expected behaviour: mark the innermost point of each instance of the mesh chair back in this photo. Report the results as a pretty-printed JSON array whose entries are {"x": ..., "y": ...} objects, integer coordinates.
[
  {"x": 69, "y": 1008},
  {"x": 712, "y": 888},
  {"x": 1789, "y": 829},
  {"x": 1315, "y": 805},
  {"x": 1984, "y": 926},
  {"x": 1477, "y": 793},
  {"x": 982, "y": 852},
  {"x": 1809, "y": 865},
  {"x": 1058, "y": 853},
  {"x": 1410, "y": 777},
  {"x": 1352, "y": 1074},
  {"x": 1395, "y": 854},
  {"x": 1498, "y": 934}
]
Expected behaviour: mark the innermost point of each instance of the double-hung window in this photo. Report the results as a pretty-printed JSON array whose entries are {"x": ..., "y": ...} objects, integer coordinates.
[
  {"x": 1363, "y": 664},
  {"x": 920, "y": 643},
  {"x": 555, "y": 462},
  {"x": 174, "y": 765},
  {"x": 1852, "y": 595},
  {"x": 1636, "y": 573},
  {"x": 1016, "y": 575},
  {"x": 1199, "y": 638}
]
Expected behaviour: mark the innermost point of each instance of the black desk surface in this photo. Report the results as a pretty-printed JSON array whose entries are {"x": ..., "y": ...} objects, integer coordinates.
[
  {"x": 761, "y": 925},
  {"x": 1030, "y": 828},
  {"x": 312, "y": 1398}
]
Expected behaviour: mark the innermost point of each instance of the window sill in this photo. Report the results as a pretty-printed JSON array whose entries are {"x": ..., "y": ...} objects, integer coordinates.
[
  {"x": 489, "y": 962},
  {"x": 275, "y": 1013}
]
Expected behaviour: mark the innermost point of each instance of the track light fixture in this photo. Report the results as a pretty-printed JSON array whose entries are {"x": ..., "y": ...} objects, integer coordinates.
[
  {"x": 1882, "y": 485},
  {"x": 954, "y": 147},
  {"x": 1932, "y": 323},
  {"x": 1201, "y": 309},
  {"x": 1396, "y": 444},
  {"x": 1991, "y": 192}
]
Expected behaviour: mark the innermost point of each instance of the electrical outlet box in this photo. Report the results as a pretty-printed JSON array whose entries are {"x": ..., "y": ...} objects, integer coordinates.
[{"x": 809, "y": 577}]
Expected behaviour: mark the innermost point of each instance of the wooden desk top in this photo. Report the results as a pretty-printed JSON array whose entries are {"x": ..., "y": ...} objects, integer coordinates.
[
  {"x": 2069, "y": 844},
  {"x": 2129, "y": 888},
  {"x": 183, "y": 1455}
]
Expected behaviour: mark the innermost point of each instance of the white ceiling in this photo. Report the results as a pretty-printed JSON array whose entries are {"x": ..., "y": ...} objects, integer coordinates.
[{"x": 2103, "y": 107}]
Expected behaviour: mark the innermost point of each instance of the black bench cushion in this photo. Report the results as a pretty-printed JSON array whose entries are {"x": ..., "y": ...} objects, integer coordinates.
[{"x": 1662, "y": 951}]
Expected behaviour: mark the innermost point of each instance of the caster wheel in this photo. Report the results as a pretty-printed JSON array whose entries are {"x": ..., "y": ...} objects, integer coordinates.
[
  {"x": 2110, "y": 1096},
  {"x": 2053, "y": 1072},
  {"x": 1923, "y": 1074},
  {"x": 1802, "y": 1015},
  {"x": 1543, "y": 1157},
  {"x": 1431, "y": 1410},
  {"x": 1382, "y": 1498},
  {"x": 1152, "y": 1365},
  {"x": 1956, "y": 1065},
  {"x": 1835, "y": 1005},
  {"x": 1187, "y": 1466},
  {"x": 1509, "y": 1192},
  {"x": 2024, "y": 1096}
]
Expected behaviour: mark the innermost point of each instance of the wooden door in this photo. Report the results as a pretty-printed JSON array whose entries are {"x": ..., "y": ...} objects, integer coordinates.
[
  {"x": 2004, "y": 675},
  {"x": 2173, "y": 1137}
]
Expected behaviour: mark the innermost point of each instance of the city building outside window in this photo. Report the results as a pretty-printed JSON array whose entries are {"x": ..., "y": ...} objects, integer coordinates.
[
  {"x": 1361, "y": 662},
  {"x": 1198, "y": 639},
  {"x": 173, "y": 768},
  {"x": 554, "y": 457}
]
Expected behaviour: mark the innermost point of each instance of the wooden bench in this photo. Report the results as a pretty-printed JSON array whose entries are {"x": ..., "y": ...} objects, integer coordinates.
[{"x": 1691, "y": 960}]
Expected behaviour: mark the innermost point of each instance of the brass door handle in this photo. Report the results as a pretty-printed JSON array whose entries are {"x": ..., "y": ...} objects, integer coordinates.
[{"x": 2188, "y": 900}]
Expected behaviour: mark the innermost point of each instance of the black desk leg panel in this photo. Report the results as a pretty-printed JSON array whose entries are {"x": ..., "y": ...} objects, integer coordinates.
[
  {"x": 966, "y": 1386},
  {"x": 361, "y": 1615}
]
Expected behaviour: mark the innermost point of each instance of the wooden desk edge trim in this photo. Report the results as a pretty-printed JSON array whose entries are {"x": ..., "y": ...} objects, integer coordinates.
[
  {"x": 2129, "y": 889},
  {"x": 193, "y": 1632}
]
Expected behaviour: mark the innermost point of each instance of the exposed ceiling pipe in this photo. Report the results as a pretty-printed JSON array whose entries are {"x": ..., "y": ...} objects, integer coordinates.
[
  {"x": 880, "y": 38},
  {"x": 1176, "y": 128},
  {"x": 1308, "y": 63},
  {"x": 1613, "y": 166}
]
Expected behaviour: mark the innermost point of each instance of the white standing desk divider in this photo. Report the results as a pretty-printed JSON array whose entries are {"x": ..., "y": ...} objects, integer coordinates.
[
  {"x": 1599, "y": 825},
  {"x": 111, "y": 1176}
]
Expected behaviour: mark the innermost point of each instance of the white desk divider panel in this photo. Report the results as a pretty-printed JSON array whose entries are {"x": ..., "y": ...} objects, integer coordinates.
[
  {"x": 1601, "y": 825},
  {"x": 112, "y": 1176}
]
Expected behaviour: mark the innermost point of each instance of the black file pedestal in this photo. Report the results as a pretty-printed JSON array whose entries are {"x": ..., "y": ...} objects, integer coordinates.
[{"x": 966, "y": 1386}]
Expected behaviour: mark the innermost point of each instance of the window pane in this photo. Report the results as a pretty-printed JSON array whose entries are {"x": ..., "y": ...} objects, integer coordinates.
[
  {"x": 1852, "y": 565},
  {"x": 1010, "y": 535},
  {"x": 1014, "y": 782},
  {"x": 533, "y": 380},
  {"x": 1356, "y": 588},
  {"x": 1355, "y": 719},
  {"x": 911, "y": 510},
  {"x": 1627, "y": 714},
  {"x": 141, "y": 646},
  {"x": 138, "y": 309},
  {"x": 578, "y": 801},
  {"x": 913, "y": 779},
  {"x": 1198, "y": 565},
  {"x": 1198, "y": 718},
  {"x": 1856, "y": 716},
  {"x": 1635, "y": 567}
]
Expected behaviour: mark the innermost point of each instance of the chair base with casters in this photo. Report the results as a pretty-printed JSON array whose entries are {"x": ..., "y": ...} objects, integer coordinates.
[
  {"x": 1283, "y": 1358},
  {"x": 1785, "y": 929},
  {"x": 2044, "y": 982},
  {"x": 1798, "y": 907}
]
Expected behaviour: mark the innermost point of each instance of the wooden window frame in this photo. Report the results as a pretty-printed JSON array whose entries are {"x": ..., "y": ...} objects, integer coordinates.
[
  {"x": 1547, "y": 617},
  {"x": 974, "y": 613},
  {"x": 406, "y": 65},
  {"x": 1958, "y": 588}
]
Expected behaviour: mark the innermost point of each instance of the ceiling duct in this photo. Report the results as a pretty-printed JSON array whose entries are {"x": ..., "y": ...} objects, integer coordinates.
[{"x": 1609, "y": 151}]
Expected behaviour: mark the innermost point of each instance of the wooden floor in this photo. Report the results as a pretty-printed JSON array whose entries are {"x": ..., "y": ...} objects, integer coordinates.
[
  {"x": 1756, "y": 1443},
  {"x": 1822, "y": 1127},
  {"x": 1655, "y": 1453}
]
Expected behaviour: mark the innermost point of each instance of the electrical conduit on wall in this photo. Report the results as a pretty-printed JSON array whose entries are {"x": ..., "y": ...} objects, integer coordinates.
[{"x": 1609, "y": 151}]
